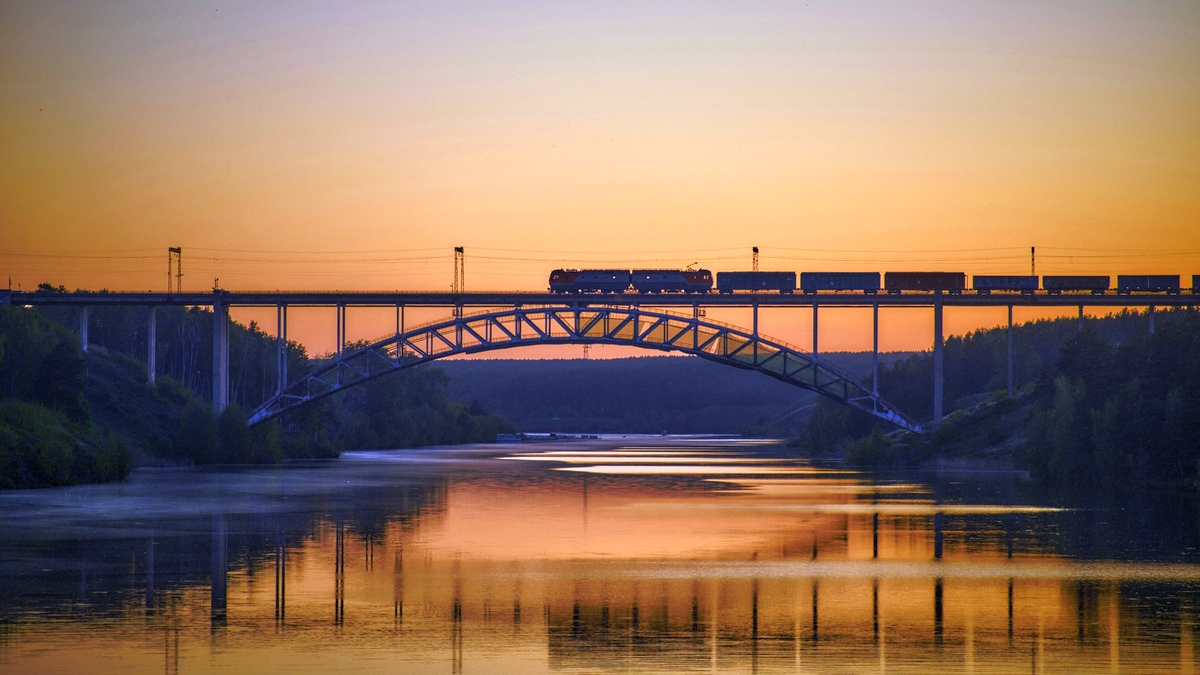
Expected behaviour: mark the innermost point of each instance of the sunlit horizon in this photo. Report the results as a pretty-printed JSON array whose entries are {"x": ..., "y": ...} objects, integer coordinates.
[{"x": 352, "y": 146}]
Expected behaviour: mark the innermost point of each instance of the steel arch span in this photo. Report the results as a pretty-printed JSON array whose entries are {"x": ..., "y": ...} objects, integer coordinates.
[{"x": 629, "y": 326}]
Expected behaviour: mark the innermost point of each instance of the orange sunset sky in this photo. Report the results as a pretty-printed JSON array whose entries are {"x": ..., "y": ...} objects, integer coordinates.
[{"x": 352, "y": 145}]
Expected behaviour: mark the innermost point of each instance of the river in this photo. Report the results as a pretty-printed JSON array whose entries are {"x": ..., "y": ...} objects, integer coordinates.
[{"x": 636, "y": 555}]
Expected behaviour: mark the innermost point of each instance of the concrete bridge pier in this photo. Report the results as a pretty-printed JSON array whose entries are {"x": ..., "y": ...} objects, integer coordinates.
[
  {"x": 220, "y": 351},
  {"x": 400, "y": 331},
  {"x": 1010, "y": 352},
  {"x": 280, "y": 347},
  {"x": 83, "y": 326},
  {"x": 754, "y": 332},
  {"x": 938, "y": 358},
  {"x": 341, "y": 328},
  {"x": 875, "y": 350},
  {"x": 814, "y": 351},
  {"x": 151, "y": 345},
  {"x": 1150, "y": 312}
]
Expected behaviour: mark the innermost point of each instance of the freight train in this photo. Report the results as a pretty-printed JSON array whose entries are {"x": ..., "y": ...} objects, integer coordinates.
[
  {"x": 639, "y": 281},
  {"x": 895, "y": 283}
]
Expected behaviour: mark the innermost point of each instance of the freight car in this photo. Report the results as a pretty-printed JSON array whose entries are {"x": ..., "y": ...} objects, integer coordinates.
[
  {"x": 985, "y": 284},
  {"x": 589, "y": 281},
  {"x": 951, "y": 282},
  {"x": 672, "y": 281},
  {"x": 784, "y": 282},
  {"x": 1055, "y": 285},
  {"x": 1147, "y": 283},
  {"x": 867, "y": 282}
]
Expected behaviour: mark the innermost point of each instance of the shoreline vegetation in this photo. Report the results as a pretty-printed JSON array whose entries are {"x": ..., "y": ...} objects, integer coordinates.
[
  {"x": 69, "y": 416},
  {"x": 1108, "y": 405}
]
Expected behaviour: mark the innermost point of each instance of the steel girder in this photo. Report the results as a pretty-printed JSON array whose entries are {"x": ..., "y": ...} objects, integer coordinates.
[{"x": 629, "y": 326}]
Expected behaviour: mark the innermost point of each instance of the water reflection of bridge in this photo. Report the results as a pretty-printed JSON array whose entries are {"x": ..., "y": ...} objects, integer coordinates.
[
  {"x": 851, "y": 589},
  {"x": 740, "y": 614}
]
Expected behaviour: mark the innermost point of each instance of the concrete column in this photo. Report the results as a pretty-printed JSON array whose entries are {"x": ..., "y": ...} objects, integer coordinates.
[
  {"x": 341, "y": 328},
  {"x": 1081, "y": 317},
  {"x": 400, "y": 347},
  {"x": 151, "y": 346},
  {"x": 280, "y": 347},
  {"x": 755, "y": 308},
  {"x": 695, "y": 325},
  {"x": 1010, "y": 352},
  {"x": 875, "y": 350},
  {"x": 938, "y": 343},
  {"x": 83, "y": 326},
  {"x": 1150, "y": 313},
  {"x": 220, "y": 351},
  {"x": 814, "y": 349}
]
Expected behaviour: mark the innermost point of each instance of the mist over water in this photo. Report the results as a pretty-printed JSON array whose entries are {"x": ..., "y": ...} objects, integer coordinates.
[{"x": 629, "y": 555}]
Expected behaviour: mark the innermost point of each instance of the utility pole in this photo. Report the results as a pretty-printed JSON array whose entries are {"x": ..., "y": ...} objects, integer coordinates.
[
  {"x": 460, "y": 274},
  {"x": 1033, "y": 261},
  {"x": 175, "y": 264},
  {"x": 754, "y": 260},
  {"x": 460, "y": 277}
]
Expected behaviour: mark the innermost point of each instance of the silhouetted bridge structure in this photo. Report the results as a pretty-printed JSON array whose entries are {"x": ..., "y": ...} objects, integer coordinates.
[{"x": 488, "y": 321}]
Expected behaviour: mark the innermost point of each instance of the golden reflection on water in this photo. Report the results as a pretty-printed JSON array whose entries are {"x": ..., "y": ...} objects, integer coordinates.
[{"x": 756, "y": 565}]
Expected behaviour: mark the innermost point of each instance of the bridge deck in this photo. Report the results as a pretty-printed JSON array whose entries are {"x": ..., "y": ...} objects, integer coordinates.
[{"x": 523, "y": 298}]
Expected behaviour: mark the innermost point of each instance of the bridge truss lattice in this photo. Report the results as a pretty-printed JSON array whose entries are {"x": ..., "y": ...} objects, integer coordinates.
[{"x": 629, "y": 326}]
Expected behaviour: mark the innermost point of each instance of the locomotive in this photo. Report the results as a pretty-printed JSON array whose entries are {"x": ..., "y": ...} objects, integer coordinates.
[{"x": 621, "y": 281}]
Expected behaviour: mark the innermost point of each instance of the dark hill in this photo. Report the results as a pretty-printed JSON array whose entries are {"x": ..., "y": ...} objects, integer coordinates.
[{"x": 639, "y": 395}]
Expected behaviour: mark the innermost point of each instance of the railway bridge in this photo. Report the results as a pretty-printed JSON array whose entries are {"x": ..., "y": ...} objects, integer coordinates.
[{"x": 486, "y": 321}]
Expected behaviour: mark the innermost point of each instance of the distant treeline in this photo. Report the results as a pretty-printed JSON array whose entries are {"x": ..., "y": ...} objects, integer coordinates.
[
  {"x": 647, "y": 394},
  {"x": 67, "y": 416}
]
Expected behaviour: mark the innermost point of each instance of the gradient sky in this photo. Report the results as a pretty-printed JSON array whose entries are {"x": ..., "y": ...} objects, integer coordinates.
[{"x": 352, "y": 145}]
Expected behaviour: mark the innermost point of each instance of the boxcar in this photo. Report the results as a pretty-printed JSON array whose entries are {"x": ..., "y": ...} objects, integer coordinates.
[
  {"x": 985, "y": 284},
  {"x": 1055, "y": 285},
  {"x": 867, "y": 282},
  {"x": 951, "y": 282},
  {"x": 728, "y": 282},
  {"x": 589, "y": 281},
  {"x": 1147, "y": 283},
  {"x": 672, "y": 281}
]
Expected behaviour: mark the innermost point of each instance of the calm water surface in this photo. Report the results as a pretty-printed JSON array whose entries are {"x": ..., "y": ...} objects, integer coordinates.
[{"x": 627, "y": 555}]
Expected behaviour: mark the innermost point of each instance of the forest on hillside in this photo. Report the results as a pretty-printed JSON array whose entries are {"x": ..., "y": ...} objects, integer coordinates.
[
  {"x": 650, "y": 394},
  {"x": 69, "y": 416},
  {"x": 1107, "y": 404}
]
